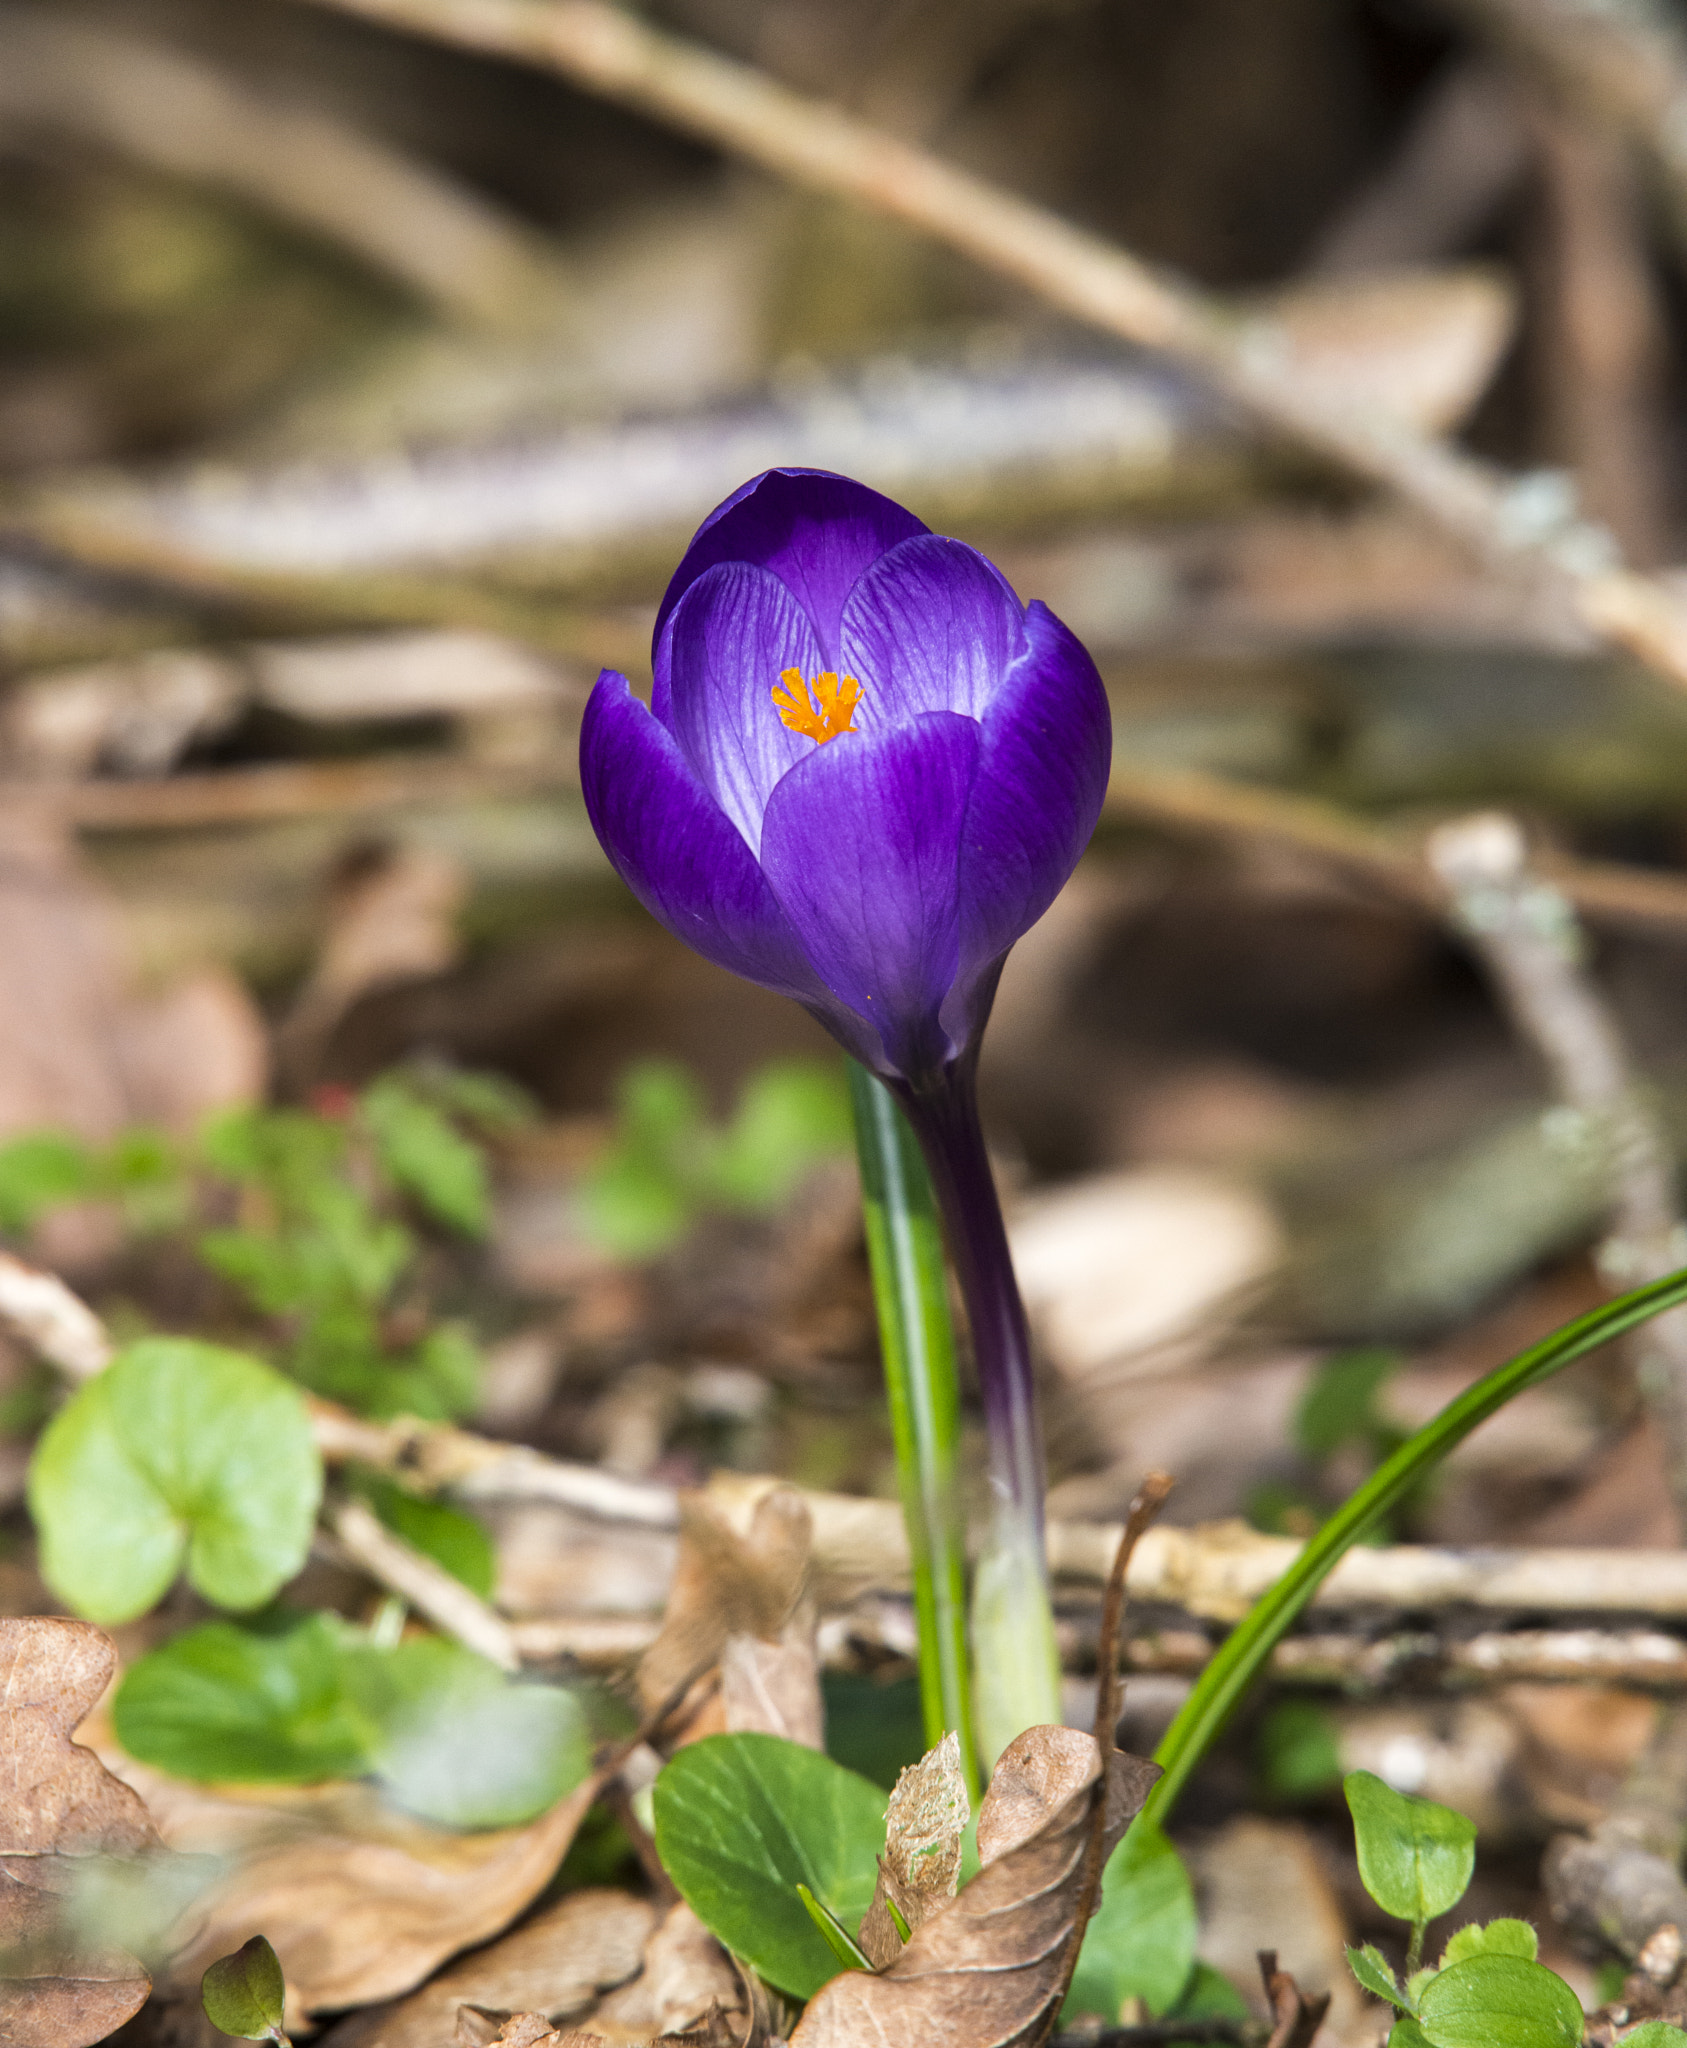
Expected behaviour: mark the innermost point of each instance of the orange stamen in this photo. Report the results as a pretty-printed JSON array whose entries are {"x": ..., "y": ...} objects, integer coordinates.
[{"x": 827, "y": 714}]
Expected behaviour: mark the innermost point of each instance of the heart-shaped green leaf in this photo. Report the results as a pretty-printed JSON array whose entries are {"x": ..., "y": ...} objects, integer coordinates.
[
  {"x": 1415, "y": 1857},
  {"x": 742, "y": 1821},
  {"x": 178, "y": 1453},
  {"x": 243, "y": 1994}
]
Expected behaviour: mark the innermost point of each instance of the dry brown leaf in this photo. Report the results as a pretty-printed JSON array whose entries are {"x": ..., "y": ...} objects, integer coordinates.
[
  {"x": 556, "y": 1964},
  {"x": 359, "y": 1901},
  {"x": 921, "y": 1865},
  {"x": 686, "y": 1977},
  {"x": 740, "y": 1604},
  {"x": 477, "y": 2029},
  {"x": 61, "y": 1805},
  {"x": 984, "y": 1970}
]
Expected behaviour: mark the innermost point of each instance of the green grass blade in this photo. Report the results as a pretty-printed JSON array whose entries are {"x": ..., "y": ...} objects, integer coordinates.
[
  {"x": 917, "y": 1337},
  {"x": 1242, "y": 1656}
]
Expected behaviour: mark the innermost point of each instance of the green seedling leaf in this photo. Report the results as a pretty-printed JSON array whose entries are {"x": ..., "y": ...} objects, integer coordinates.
[
  {"x": 38, "y": 1172},
  {"x": 1209, "y": 1995},
  {"x": 1656, "y": 2034},
  {"x": 287, "y": 1153},
  {"x": 790, "y": 1116},
  {"x": 1415, "y": 1858},
  {"x": 227, "y": 1703},
  {"x": 1497, "y": 1938},
  {"x": 1370, "y": 1966},
  {"x": 1299, "y": 1754},
  {"x": 741, "y": 1821},
  {"x": 462, "y": 1745},
  {"x": 424, "y": 1154},
  {"x": 1141, "y": 1943},
  {"x": 838, "y": 1937},
  {"x": 178, "y": 1453},
  {"x": 1500, "y": 2001},
  {"x": 244, "y": 1995},
  {"x": 444, "y": 1533},
  {"x": 1406, "y": 2033},
  {"x": 1339, "y": 1407}
]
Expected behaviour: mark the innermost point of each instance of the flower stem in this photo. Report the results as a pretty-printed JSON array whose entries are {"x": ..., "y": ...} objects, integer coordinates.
[
  {"x": 911, "y": 1294},
  {"x": 1018, "y": 1669}
]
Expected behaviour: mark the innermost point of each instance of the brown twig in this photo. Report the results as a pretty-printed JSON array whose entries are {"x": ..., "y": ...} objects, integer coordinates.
[
  {"x": 1249, "y": 359},
  {"x": 429, "y": 1587},
  {"x": 1144, "y": 1511},
  {"x": 1297, "y": 2018}
]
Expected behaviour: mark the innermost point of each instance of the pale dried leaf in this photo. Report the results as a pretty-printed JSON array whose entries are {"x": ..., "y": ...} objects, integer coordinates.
[
  {"x": 1420, "y": 344},
  {"x": 686, "y": 1977},
  {"x": 359, "y": 1901},
  {"x": 984, "y": 1970},
  {"x": 774, "y": 1688},
  {"x": 739, "y": 1602},
  {"x": 61, "y": 1805},
  {"x": 921, "y": 1867}
]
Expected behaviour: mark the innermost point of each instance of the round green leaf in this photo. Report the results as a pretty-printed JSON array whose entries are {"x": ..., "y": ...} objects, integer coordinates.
[
  {"x": 178, "y": 1452},
  {"x": 227, "y": 1703},
  {"x": 1141, "y": 1943},
  {"x": 243, "y": 1994},
  {"x": 1415, "y": 1857},
  {"x": 1656, "y": 2034},
  {"x": 742, "y": 1820},
  {"x": 1496, "y": 2001}
]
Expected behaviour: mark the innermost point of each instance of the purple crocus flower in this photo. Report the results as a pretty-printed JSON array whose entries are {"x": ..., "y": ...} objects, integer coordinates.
[{"x": 865, "y": 770}]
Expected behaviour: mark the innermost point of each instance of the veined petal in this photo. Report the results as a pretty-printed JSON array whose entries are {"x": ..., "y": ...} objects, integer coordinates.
[
  {"x": 1047, "y": 744},
  {"x": 814, "y": 530},
  {"x": 861, "y": 842},
  {"x": 732, "y": 634},
  {"x": 931, "y": 626},
  {"x": 676, "y": 849}
]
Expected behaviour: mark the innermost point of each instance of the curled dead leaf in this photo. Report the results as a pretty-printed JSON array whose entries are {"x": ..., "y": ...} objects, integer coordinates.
[
  {"x": 921, "y": 1865},
  {"x": 686, "y": 1978},
  {"x": 740, "y": 1605},
  {"x": 360, "y": 1901},
  {"x": 985, "y": 1970},
  {"x": 555, "y": 1964},
  {"x": 62, "y": 1808}
]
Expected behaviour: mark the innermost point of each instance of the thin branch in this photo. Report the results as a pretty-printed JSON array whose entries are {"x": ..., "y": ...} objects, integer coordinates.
[
  {"x": 42, "y": 1311},
  {"x": 1251, "y": 360},
  {"x": 429, "y": 1587},
  {"x": 1525, "y": 932}
]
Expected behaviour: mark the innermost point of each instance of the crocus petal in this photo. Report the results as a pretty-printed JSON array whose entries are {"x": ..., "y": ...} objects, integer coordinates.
[
  {"x": 816, "y": 531},
  {"x": 734, "y": 631},
  {"x": 676, "y": 849},
  {"x": 931, "y": 626},
  {"x": 1042, "y": 773},
  {"x": 861, "y": 842}
]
